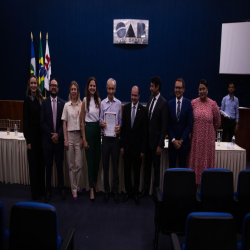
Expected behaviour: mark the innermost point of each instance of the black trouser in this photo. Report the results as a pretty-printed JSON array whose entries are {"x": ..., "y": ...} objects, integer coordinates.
[
  {"x": 110, "y": 146},
  {"x": 129, "y": 160},
  {"x": 36, "y": 171},
  {"x": 228, "y": 128},
  {"x": 173, "y": 154},
  {"x": 58, "y": 151},
  {"x": 151, "y": 156}
]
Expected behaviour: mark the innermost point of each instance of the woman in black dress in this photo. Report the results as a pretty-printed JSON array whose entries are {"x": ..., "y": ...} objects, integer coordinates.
[{"x": 33, "y": 135}]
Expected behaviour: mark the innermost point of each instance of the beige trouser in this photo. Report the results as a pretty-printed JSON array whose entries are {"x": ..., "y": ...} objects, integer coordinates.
[{"x": 74, "y": 158}]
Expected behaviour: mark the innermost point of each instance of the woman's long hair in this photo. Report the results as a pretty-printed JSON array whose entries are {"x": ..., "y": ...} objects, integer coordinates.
[
  {"x": 87, "y": 94},
  {"x": 38, "y": 90},
  {"x": 78, "y": 91}
]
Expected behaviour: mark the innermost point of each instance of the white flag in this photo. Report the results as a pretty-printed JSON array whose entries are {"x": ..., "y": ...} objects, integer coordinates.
[{"x": 47, "y": 61}]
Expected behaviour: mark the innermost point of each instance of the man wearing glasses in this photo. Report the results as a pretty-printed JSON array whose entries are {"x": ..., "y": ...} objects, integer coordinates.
[
  {"x": 180, "y": 124},
  {"x": 53, "y": 144},
  {"x": 110, "y": 144}
]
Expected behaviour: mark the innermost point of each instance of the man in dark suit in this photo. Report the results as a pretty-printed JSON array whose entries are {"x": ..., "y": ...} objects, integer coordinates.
[
  {"x": 133, "y": 142},
  {"x": 180, "y": 124},
  {"x": 53, "y": 144},
  {"x": 157, "y": 110}
]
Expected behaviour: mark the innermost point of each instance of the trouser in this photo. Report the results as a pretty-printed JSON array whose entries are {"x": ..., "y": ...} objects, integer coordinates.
[
  {"x": 74, "y": 158},
  {"x": 181, "y": 154},
  {"x": 93, "y": 153},
  {"x": 151, "y": 156},
  {"x": 110, "y": 146},
  {"x": 130, "y": 160},
  {"x": 36, "y": 171},
  {"x": 228, "y": 128},
  {"x": 58, "y": 151}
]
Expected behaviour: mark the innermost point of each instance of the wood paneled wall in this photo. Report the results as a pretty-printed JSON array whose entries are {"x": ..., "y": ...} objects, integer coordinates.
[{"x": 14, "y": 110}]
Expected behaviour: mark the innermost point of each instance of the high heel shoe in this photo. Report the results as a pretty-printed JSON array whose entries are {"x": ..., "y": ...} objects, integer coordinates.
[{"x": 75, "y": 198}]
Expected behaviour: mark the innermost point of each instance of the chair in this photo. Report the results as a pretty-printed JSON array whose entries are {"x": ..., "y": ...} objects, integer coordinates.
[
  {"x": 178, "y": 199},
  {"x": 4, "y": 234},
  {"x": 34, "y": 226},
  {"x": 245, "y": 244},
  {"x": 242, "y": 197},
  {"x": 208, "y": 231},
  {"x": 216, "y": 193}
]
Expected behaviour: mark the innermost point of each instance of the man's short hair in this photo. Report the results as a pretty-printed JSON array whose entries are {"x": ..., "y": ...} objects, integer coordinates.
[
  {"x": 113, "y": 80},
  {"x": 181, "y": 80},
  {"x": 54, "y": 80},
  {"x": 230, "y": 84},
  {"x": 156, "y": 80}
]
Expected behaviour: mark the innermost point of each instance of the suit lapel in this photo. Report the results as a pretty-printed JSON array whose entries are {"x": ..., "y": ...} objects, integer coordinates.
[{"x": 156, "y": 106}]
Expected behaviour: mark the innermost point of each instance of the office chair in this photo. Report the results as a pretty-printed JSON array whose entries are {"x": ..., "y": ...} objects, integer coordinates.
[{"x": 4, "y": 234}]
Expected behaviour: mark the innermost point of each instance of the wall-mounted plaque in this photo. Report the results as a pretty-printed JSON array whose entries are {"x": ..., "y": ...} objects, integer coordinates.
[{"x": 130, "y": 31}]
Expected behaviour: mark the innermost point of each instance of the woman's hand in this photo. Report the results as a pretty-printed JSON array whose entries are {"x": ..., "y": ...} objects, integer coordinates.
[
  {"x": 66, "y": 145},
  {"x": 85, "y": 144}
]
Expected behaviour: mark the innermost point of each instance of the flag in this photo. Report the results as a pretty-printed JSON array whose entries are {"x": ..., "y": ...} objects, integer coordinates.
[
  {"x": 47, "y": 70},
  {"x": 41, "y": 67},
  {"x": 32, "y": 60}
]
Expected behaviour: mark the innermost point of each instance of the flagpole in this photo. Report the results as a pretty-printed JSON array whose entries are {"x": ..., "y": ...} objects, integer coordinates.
[{"x": 47, "y": 38}]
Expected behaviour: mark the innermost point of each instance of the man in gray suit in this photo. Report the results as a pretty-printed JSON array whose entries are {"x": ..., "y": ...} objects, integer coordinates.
[{"x": 157, "y": 110}]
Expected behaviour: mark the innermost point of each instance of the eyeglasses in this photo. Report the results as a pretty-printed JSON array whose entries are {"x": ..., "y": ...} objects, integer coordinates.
[
  {"x": 33, "y": 82},
  {"x": 179, "y": 88},
  {"x": 53, "y": 85},
  {"x": 202, "y": 89},
  {"x": 111, "y": 88}
]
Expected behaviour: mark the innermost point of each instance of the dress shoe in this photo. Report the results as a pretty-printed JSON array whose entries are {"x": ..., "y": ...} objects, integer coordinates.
[
  {"x": 144, "y": 192},
  {"x": 106, "y": 198},
  {"x": 47, "y": 198},
  {"x": 93, "y": 199},
  {"x": 63, "y": 195},
  {"x": 116, "y": 199},
  {"x": 79, "y": 191},
  {"x": 125, "y": 198},
  {"x": 137, "y": 202},
  {"x": 75, "y": 198}
]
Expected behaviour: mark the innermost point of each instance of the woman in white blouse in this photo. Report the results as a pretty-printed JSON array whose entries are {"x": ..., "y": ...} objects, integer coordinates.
[
  {"x": 91, "y": 132},
  {"x": 71, "y": 117}
]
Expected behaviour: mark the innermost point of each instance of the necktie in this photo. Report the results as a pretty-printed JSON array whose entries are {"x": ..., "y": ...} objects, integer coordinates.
[
  {"x": 178, "y": 110},
  {"x": 133, "y": 116},
  {"x": 151, "y": 107},
  {"x": 54, "y": 114}
]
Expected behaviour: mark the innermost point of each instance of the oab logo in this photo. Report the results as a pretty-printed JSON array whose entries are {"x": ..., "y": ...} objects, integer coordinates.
[{"x": 131, "y": 31}]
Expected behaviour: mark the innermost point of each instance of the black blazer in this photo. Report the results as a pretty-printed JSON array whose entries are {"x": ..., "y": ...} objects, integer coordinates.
[
  {"x": 47, "y": 122},
  {"x": 157, "y": 126},
  {"x": 134, "y": 139}
]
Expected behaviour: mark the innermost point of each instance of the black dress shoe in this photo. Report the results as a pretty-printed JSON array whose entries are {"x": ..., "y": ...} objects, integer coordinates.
[
  {"x": 125, "y": 198},
  {"x": 137, "y": 202},
  {"x": 116, "y": 199},
  {"x": 106, "y": 198},
  {"x": 63, "y": 195},
  {"x": 47, "y": 198},
  {"x": 144, "y": 192}
]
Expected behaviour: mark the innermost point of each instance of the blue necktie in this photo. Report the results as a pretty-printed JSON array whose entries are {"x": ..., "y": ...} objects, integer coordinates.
[
  {"x": 133, "y": 116},
  {"x": 178, "y": 111}
]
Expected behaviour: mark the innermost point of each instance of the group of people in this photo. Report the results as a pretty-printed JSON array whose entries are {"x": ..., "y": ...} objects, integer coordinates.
[{"x": 51, "y": 125}]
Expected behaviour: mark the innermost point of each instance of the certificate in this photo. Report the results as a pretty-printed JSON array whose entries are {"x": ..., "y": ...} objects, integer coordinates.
[{"x": 110, "y": 119}]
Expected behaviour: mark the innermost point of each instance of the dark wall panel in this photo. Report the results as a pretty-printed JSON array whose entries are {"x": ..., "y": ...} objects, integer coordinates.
[{"x": 184, "y": 41}]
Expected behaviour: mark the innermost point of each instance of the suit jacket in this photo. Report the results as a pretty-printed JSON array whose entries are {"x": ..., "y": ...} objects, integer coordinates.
[
  {"x": 47, "y": 122},
  {"x": 157, "y": 125},
  {"x": 134, "y": 139},
  {"x": 181, "y": 129}
]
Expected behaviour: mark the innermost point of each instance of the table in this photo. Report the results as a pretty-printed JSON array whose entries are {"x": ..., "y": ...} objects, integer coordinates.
[{"x": 14, "y": 163}]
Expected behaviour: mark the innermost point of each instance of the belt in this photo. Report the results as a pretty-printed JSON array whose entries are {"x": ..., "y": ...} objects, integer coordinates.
[{"x": 74, "y": 131}]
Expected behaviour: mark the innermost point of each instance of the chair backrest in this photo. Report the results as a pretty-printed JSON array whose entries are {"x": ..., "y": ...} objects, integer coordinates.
[
  {"x": 210, "y": 231},
  {"x": 243, "y": 186},
  {"x": 245, "y": 233},
  {"x": 4, "y": 234},
  {"x": 217, "y": 190},
  {"x": 34, "y": 226},
  {"x": 178, "y": 199}
]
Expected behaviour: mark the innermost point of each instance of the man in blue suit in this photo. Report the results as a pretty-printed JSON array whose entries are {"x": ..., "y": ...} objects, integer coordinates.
[
  {"x": 53, "y": 144},
  {"x": 179, "y": 126}
]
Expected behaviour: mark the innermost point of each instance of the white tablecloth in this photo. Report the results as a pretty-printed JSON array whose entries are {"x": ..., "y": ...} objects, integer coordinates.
[{"x": 14, "y": 163}]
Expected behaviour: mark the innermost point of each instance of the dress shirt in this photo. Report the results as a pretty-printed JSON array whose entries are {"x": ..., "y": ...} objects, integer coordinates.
[
  {"x": 177, "y": 103},
  {"x": 115, "y": 106},
  {"x": 231, "y": 107},
  {"x": 136, "y": 106},
  {"x": 156, "y": 99},
  {"x": 72, "y": 115}
]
